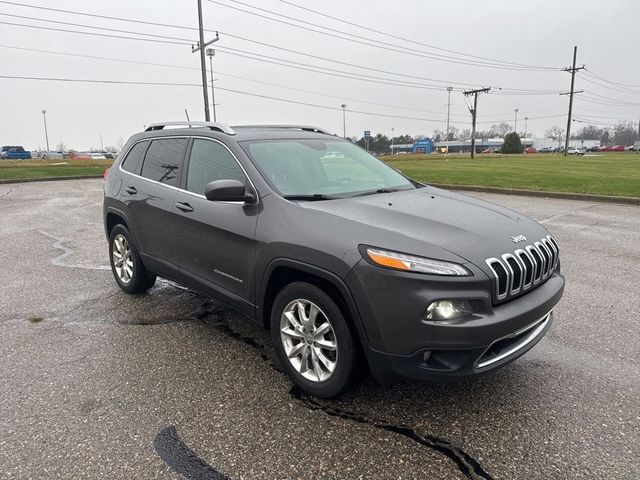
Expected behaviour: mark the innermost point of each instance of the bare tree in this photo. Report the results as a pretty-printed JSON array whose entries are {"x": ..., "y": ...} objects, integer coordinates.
[
  {"x": 465, "y": 135},
  {"x": 61, "y": 147},
  {"x": 554, "y": 132},
  {"x": 624, "y": 133},
  {"x": 500, "y": 129},
  {"x": 589, "y": 132}
]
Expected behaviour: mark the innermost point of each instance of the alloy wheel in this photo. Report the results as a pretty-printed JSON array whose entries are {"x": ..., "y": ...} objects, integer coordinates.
[
  {"x": 309, "y": 340},
  {"x": 122, "y": 259}
]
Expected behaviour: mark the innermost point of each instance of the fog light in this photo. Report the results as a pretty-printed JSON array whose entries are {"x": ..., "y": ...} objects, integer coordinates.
[{"x": 448, "y": 310}]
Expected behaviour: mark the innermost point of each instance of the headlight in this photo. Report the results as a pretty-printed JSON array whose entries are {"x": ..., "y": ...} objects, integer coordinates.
[
  {"x": 448, "y": 310},
  {"x": 400, "y": 261}
]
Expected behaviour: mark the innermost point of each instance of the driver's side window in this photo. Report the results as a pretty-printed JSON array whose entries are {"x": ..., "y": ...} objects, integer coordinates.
[{"x": 209, "y": 161}]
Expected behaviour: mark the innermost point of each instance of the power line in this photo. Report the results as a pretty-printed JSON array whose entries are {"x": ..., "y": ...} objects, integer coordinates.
[
  {"x": 505, "y": 90},
  {"x": 95, "y": 15},
  {"x": 380, "y": 32},
  {"x": 75, "y": 24},
  {"x": 169, "y": 42},
  {"x": 367, "y": 41},
  {"x": 262, "y": 82},
  {"x": 241, "y": 92}
]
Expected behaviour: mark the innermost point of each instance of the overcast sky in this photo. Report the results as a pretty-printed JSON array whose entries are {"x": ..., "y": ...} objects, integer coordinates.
[{"x": 520, "y": 47}]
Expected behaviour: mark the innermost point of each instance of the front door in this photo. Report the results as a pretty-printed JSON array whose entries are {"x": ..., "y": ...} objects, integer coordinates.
[{"x": 216, "y": 239}]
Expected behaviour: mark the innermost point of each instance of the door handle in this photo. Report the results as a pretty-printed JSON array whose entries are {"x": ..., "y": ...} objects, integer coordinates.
[
  {"x": 184, "y": 206},
  {"x": 131, "y": 190}
]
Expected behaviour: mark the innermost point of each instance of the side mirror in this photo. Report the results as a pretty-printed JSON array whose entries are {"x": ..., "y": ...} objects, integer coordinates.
[{"x": 228, "y": 191}]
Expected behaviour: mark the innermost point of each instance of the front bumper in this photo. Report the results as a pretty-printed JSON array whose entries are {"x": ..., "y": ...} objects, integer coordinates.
[{"x": 401, "y": 344}]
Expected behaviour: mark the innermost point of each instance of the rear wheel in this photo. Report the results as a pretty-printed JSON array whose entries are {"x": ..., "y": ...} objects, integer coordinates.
[
  {"x": 127, "y": 268},
  {"x": 313, "y": 340}
]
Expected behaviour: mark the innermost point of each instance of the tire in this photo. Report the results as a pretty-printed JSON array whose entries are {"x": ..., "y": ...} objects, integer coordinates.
[
  {"x": 130, "y": 274},
  {"x": 323, "y": 362}
]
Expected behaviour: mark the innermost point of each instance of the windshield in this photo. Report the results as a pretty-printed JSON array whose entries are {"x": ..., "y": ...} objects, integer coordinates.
[{"x": 322, "y": 168}]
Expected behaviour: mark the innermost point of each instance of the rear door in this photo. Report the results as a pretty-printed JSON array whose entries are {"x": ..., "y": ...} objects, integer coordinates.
[
  {"x": 153, "y": 211},
  {"x": 216, "y": 240}
]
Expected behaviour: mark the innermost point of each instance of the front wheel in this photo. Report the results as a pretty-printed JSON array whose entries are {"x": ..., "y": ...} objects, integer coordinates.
[
  {"x": 126, "y": 265},
  {"x": 313, "y": 340}
]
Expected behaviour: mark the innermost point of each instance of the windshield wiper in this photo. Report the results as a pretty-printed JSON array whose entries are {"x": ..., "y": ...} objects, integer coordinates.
[
  {"x": 373, "y": 192},
  {"x": 311, "y": 197}
]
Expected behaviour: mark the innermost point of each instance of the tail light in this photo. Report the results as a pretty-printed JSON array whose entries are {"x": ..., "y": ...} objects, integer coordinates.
[{"x": 106, "y": 173}]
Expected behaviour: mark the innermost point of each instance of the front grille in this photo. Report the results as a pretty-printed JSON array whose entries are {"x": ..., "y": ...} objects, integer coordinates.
[{"x": 526, "y": 268}]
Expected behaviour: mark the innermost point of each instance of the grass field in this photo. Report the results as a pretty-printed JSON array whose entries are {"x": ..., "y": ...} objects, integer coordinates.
[
  {"x": 599, "y": 173},
  {"x": 615, "y": 174},
  {"x": 21, "y": 169}
]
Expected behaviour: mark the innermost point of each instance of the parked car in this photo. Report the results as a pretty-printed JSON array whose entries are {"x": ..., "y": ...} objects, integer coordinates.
[
  {"x": 348, "y": 263},
  {"x": 576, "y": 151},
  {"x": 595, "y": 148},
  {"x": 487, "y": 150},
  {"x": 530, "y": 150},
  {"x": 14, "y": 152},
  {"x": 50, "y": 155}
]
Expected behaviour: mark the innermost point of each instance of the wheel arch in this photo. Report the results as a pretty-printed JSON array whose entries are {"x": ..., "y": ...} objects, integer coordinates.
[{"x": 282, "y": 271}]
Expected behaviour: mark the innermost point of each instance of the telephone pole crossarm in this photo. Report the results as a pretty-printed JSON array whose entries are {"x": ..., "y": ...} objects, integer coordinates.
[{"x": 474, "y": 111}]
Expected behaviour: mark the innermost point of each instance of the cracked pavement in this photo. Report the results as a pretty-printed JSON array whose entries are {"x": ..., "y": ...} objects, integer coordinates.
[{"x": 174, "y": 385}]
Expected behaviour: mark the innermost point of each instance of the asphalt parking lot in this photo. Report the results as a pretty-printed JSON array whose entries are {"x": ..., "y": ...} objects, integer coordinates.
[{"x": 98, "y": 384}]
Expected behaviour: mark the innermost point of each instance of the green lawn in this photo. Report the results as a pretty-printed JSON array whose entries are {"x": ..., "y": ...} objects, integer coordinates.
[
  {"x": 599, "y": 173},
  {"x": 21, "y": 169}
]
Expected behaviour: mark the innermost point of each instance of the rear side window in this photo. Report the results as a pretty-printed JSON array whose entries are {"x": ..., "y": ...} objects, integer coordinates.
[
  {"x": 163, "y": 161},
  {"x": 211, "y": 161},
  {"x": 133, "y": 160}
]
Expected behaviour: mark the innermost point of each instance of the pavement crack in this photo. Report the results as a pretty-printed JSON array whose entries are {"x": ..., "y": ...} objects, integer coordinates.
[
  {"x": 213, "y": 313},
  {"x": 5, "y": 194},
  {"x": 60, "y": 260},
  {"x": 467, "y": 465},
  {"x": 184, "y": 461}
]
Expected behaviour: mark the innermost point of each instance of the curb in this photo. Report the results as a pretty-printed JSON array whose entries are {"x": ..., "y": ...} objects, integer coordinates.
[
  {"x": 536, "y": 193},
  {"x": 48, "y": 179}
]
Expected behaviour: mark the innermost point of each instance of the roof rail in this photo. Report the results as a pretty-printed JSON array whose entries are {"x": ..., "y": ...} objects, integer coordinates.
[
  {"x": 305, "y": 128},
  {"x": 220, "y": 127}
]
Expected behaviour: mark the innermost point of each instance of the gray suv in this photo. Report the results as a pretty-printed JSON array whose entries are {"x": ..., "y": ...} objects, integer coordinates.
[{"x": 349, "y": 263}]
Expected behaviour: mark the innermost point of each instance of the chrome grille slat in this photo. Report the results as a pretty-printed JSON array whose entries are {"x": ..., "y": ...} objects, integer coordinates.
[{"x": 525, "y": 268}]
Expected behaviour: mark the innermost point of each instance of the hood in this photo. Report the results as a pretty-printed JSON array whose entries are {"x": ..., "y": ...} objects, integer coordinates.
[{"x": 414, "y": 221}]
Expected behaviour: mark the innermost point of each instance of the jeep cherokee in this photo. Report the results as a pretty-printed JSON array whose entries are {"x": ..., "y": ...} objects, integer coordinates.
[{"x": 348, "y": 262}]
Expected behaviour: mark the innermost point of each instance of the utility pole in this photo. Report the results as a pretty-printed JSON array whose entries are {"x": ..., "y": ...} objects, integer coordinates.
[
  {"x": 46, "y": 134},
  {"x": 449, "y": 89},
  {"x": 526, "y": 119},
  {"x": 203, "y": 65},
  {"x": 344, "y": 121},
  {"x": 474, "y": 111},
  {"x": 573, "y": 69},
  {"x": 515, "y": 124},
  {"x": 210, "y": 53}
]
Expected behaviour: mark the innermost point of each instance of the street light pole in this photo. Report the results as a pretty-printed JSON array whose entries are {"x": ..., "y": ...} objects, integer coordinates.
[
  {"x": 526, "y": 119},
  {"x": 515, "y": 126},
  {"x": 344, "y": 120},
  {"x": 46, "y": 134},
  {"x": 449, "y": 89},
  {"x": 210, "y": 53},
  {"x": 392, "y": 130}
]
